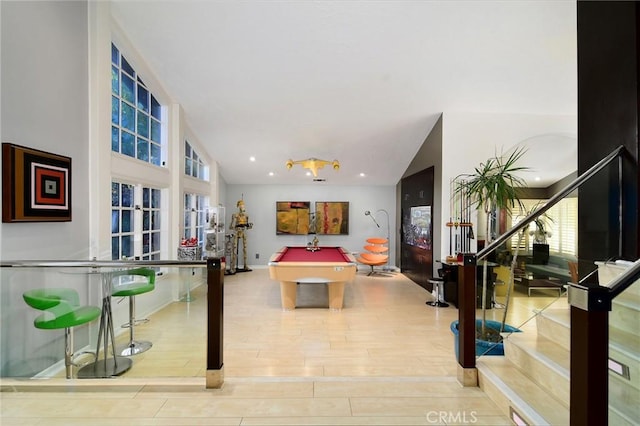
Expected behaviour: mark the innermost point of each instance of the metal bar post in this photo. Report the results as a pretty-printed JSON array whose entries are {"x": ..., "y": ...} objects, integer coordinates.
[
  {"x": 467, "y": 373},
  {"x": 215, "y": 301}
]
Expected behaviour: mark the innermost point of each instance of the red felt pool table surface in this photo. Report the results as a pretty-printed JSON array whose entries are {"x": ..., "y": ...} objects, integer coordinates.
[{"x": 301, "y": 254}]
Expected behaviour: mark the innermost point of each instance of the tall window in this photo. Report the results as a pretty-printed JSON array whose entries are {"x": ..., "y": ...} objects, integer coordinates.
[
  {"x": 194, "y": 216},
  {"x": 151, "y": 224},
  {"x": 563, "y": 225},
  {"x": 193, "y": 164},
  {"x": 136, "y": 115},
  {"x": 135, "y": 221}
]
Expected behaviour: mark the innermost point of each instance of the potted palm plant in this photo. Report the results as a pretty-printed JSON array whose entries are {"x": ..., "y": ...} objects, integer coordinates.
[{"x": 493, "y": 186}]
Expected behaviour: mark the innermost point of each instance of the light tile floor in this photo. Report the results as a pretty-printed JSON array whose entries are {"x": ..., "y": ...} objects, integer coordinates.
[{"x": 385, "y": 359}]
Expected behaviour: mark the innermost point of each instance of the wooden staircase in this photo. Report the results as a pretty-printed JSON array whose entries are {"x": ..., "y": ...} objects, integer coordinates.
[{"x": 531, "y": 382}]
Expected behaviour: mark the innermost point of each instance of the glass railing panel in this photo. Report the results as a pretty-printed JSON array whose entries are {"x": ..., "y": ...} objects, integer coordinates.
[
  {"x": 531, "y": 363},
  {"x": 624, "y": 349},
  {"x": 513, "y": 302},
  {"x": 176, "y": 311}
]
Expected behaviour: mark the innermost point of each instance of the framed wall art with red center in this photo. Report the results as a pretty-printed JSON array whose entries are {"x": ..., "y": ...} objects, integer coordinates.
[{"x": 36, "y": 185}]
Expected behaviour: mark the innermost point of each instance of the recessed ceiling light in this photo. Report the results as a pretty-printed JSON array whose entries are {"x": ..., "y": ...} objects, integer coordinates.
[
  {"x": 362, "y": 175},
  {"x": 271, "y": 173},
  {"x": 537, "y": 178},
  {"x": 252, "y": 158},
  {"x": 308, "y": 173}
]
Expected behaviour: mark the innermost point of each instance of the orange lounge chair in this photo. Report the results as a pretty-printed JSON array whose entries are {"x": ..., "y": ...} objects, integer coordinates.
[{"x": 372, "y": 259}]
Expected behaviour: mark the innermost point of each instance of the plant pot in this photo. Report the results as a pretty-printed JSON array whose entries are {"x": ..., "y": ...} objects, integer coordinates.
[{"x": 483, "y": 347}]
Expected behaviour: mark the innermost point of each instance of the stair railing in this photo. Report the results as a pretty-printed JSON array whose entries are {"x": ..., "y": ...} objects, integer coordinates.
[
  {"x": 583, "y": 297},
  {"x": 215, "y": 297}
]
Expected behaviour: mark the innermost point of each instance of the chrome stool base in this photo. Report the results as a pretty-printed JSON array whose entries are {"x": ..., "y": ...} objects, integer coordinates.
[
  {"x": 136, "y": 347},
  {"x": 437, "y": 304}
]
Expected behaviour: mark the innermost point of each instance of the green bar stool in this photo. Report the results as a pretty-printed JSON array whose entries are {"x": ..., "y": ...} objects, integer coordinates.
[
  {"x": 62, "y": 309},
  {"x": 130, "y": 283}
]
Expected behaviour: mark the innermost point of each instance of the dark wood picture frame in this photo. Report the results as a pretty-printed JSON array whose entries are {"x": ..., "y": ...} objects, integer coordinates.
[{"x": 36, "y": 185}]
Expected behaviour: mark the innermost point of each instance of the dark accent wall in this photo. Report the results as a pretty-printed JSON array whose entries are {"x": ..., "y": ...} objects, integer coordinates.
[
  {"x": 416, "y": 262},
  {"x": 608, "y": 106}
]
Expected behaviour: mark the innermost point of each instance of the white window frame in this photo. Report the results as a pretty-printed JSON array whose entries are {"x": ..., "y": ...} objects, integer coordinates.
[{"x": 563, "y": 226}]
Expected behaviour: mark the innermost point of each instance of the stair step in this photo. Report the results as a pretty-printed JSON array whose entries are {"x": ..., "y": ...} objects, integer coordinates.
[
  {"x": 624, "y": 348},
  {"x": 625, "y": 313},
  {"x": 624, "y": 403},
  {"x": 508, "y": 387},
  {"x": 543, "y": 361},
  {"x": 555, "y": 325}
]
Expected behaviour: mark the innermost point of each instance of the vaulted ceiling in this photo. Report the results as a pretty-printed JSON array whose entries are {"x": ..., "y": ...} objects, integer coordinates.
[{"x": 362, "y": 82}]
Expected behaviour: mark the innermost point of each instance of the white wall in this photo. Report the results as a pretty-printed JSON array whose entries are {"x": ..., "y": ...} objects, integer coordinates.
[
  {"x": 44, "y": 106},
  {"x": 44, "y": 85},
  {"x": 260, "y": 203}
]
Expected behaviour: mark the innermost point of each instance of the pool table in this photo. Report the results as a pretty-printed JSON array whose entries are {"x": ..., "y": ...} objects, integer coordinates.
[{"x": 331, "y": 265}]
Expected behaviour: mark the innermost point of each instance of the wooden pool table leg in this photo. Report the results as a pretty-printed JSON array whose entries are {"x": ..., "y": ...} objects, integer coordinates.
[
  {"x": 288, "y": 294},
  {"x": 336, "y": 294}
]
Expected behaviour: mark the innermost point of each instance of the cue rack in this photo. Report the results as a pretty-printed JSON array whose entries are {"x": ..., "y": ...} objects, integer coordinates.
[{"x": 459, "y": 224}]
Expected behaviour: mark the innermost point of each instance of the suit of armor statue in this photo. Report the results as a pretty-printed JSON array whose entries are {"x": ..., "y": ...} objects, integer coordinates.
[{"x": 239, "y": 224}]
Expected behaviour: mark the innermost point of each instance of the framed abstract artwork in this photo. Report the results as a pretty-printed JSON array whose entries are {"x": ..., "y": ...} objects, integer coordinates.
[
  {"x": 332, "y": 218},
  {"x": 36, "y": 185},
  {"x": 292, "y": 217}
]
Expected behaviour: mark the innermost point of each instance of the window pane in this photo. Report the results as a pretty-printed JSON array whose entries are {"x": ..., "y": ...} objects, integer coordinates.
[
  {"x": 187, "y": 149},
  {"x": 146, "y": 220},
  {"x": 115, "y": 139},
  {"x": 115, "y": 81},
  {"x": 143, "y": 124},
  {"x": 115, "y": 248},
  {"x": 128, "y": 117},
  {"x": 187, "y": 219},
  {"x": 127, "y": 220},
  {"x": 115, "y": 110},
  {"x": 145, "y": 243},
  {"x": 128, "y": 89},
  {"x": 115, "y": 194},
  {"x": 127, "y": 195},
  {"x": 155, "y": 108},
  {"x": 143, "y": 150},
  {"x": 127, "y": 146},
  {"x": 126, "y": 67},
  {"x": 127, "y": 245},
  {"x": 115, "y": 221},
  {"x": 156, "y": 157},
  {"x": 155, "y": 221},
  {"x": 143, "y": 99},
  {"x": 155, "y": 130},
  {"x": 115, "y": 55},
  {"x": 155, "y": 198},
  {"x": 145, "y": 198},
  {"x": 187, "y": 166},
  {"x": 155, "y": 241}
]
